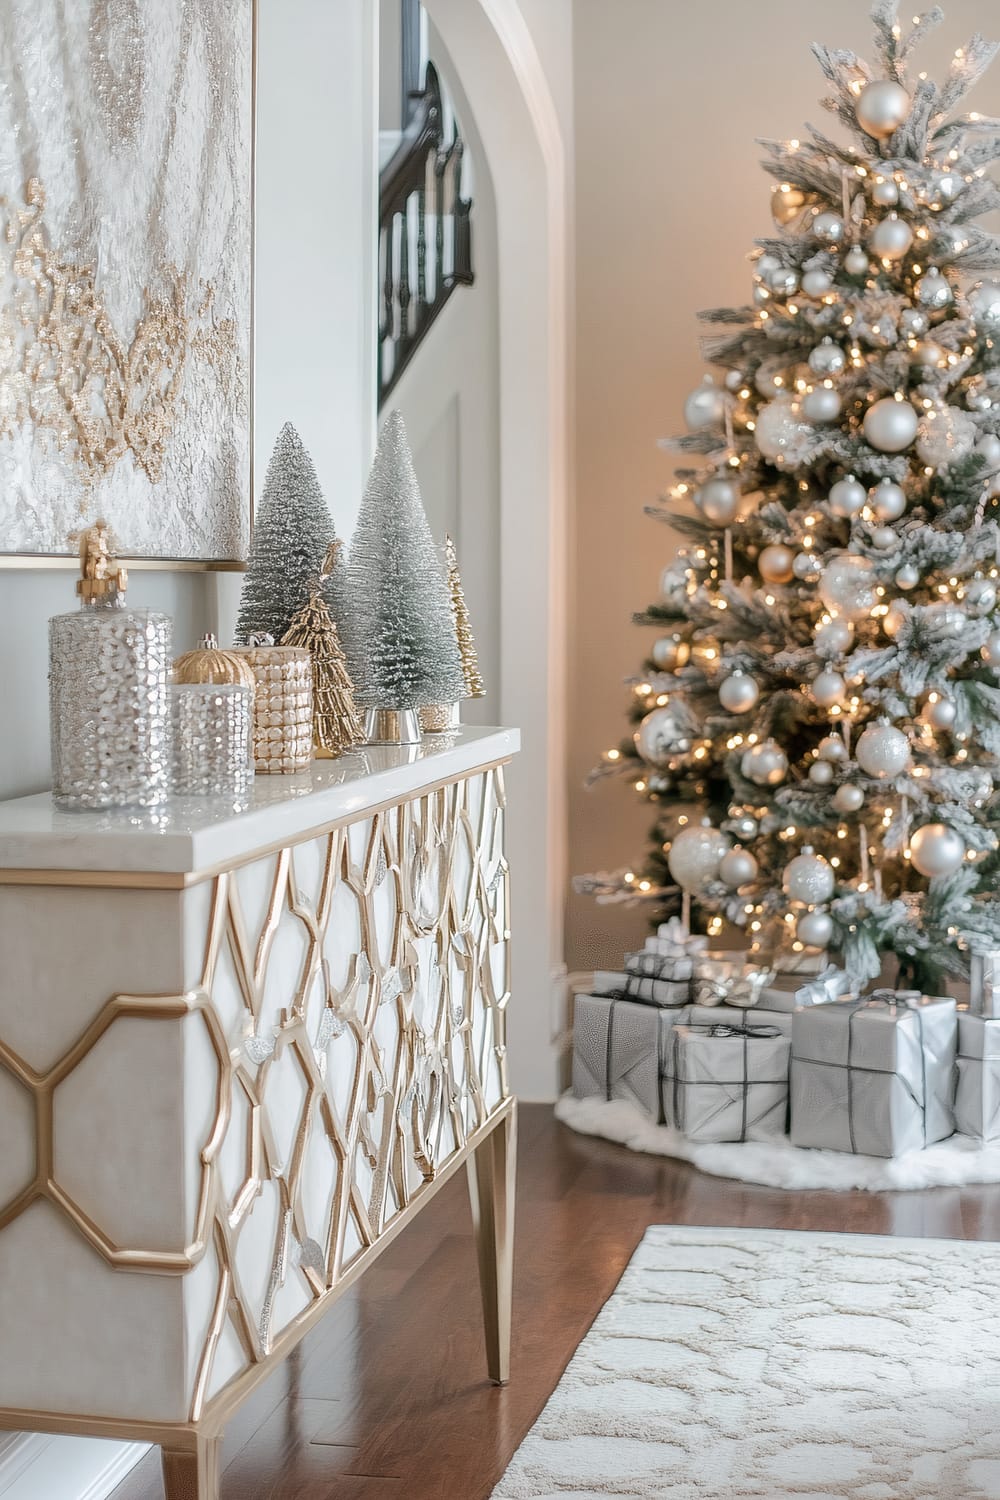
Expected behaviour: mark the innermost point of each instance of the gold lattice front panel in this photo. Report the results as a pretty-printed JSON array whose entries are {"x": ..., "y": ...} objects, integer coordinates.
[{"x": 203, "y": 1165}]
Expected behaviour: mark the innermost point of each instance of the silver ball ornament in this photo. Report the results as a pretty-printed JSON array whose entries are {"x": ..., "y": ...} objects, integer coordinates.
[
  {"x": 940, "y": 713},
  {"x": 883, "y": 751},
  {"x": 820, "y": 773},
  {"x": 883, "y": 537},
  {"x": 783, "y": 281},
  {"x": 828, "y": 688},
  {"x": 888, "y": 500},
  {"x": 822, "y": 405},
  {"x": 695, "y": 856},
  {"x": 848, "y": 799},
  {"x": 832, "y": 748},
  {"x": 814, "y": 929},
  {"x": 847, "y": 586},
  {"x": 705, "y": 406},
  {"x": 847, "y": 497},
  {"x": 981, "y": 595},
  {"x": 776, "y": 563},
  {"x": 882, "y": 107},
  {"x": 807, "y": 567},
  {"x": 984, "y": 301},
  {"x": 742, "y": 826},
  {"x": 936, "y": 850},
  {"x": 856, "y": 261},
  {"x": 908, "y": 576},
  {"x": 661, "y": 735},
  {"x": 816, "y": 283},
  {"x": 734, "y": 379},
  {"x": 990, "y": 650},
  {"x": 913, "y": 323},
  {"x": 947, "y": 186},
  {"x": 670, "y": 652},
  {"x": 891, "y": 238},
  {"x": 765, "y": 764},
  {"x": 739, "y": 693},
  {"x": 827, "y": 358},
  {"x": 890, "y": 425},
  {"x": 718, "y": 500},
  {"x": 834, "y": 638},
  {"x": 828, "y": 227},
  {"x": 885, "y": 192},
  {"x": 933, "y": 291},
  {"x": 809, "y": 879},
  {"x": 737, "y": 868}
]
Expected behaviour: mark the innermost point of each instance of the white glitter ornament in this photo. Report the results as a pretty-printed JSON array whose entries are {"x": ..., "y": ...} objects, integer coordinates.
[
  {"x": 882, "y": 107},
  {"x": 780, "y": 431},
  {"x": 883, "y": 751},
  {"x": 705, "y": 406},
  {"x": 847, "y": 497},
  {"x": 814, "y": 929},
  {"x": 946, "y": 436},
  {"x": 718, "y": 500},
  {"x": 809, "y": 879},
  {"x": 661, "y": 735},
  {"x": 848, "y": 585},
  {"x": 765, "y": 764},
  {"x": 936, "y": 850},
  {"x": 695, "y": 856},
  {"x": 737, "y": 868},
  {"x": 887, "y": 500},
  {"x": 890, "y": 425},
  {"x": 738, "y": 693}
]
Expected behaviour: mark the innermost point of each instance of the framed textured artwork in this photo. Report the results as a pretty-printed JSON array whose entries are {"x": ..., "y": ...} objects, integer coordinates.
[{"x": 126, "y": 195}]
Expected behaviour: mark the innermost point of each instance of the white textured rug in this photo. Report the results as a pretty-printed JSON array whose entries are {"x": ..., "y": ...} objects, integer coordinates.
[
  {"x": 949, "y": 1163},
  {"x": 778, "y": 1364}
]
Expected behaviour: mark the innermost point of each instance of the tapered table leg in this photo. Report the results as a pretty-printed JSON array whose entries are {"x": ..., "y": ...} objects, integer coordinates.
[
  {"x": 193, "y": 1474},
  {"x": 492, "y": 1176}
]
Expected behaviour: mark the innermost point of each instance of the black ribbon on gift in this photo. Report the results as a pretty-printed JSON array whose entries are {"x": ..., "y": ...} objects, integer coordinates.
[{"x": 748, "y": 1033}]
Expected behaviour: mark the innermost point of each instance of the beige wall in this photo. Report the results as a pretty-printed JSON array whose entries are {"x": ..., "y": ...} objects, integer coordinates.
[{"x": 669, "y": 98}]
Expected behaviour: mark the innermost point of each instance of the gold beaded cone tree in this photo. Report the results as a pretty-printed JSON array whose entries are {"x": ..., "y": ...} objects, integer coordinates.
[
  {"x": 474, "y": 685},
  {"x": 336, "y": 724},
  {"x": 817, "y": 725}
]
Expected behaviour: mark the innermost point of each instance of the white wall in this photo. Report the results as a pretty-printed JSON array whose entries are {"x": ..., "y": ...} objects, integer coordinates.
[
  {"x": 449, "y": 398},
  {"x": 669, "y": 199}
]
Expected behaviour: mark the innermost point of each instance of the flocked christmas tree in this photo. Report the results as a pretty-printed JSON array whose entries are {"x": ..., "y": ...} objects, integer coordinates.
[
  {"x": 336, "y": 724},
  {"x": 818, "y": 722},
  {"x": 292, "y": 530},
  {"x": 398, "y": 629}
]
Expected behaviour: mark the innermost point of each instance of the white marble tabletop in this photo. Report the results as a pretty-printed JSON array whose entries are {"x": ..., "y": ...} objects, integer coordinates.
[{"x": 185, "y": 837}]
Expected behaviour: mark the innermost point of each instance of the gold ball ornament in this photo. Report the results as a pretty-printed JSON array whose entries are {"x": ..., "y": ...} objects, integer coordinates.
[
  {"x": 776, "y": 564},
  {"x": 208, "y": 662},
  {"x": 882, "y": 107},
  {"x": 787, "y": 202}
]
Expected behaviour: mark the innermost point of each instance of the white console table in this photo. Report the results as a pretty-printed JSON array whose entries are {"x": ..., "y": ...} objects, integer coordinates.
[{"x": 238, "y": 1052}]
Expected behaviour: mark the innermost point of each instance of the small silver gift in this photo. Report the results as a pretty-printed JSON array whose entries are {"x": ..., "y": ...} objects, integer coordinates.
[
  {"x": 674, "y": 945},
  {"x": 727, "y": 1083},
  {"x": 620, "y": 1050},
  {"x": 874, "y": 1076},
  {"x": 732, "y": 1015},
  {"x": 788, "y": 991},
  {"x": 624, "y": 985},
  {"x": 977, "y": 1093},
  {"x": 725, "y": 981},
  {"x": 984, "y": 987}
]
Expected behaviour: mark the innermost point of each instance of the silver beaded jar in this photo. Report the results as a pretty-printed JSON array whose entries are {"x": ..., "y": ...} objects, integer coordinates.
[
  {"x": 282, "y": 715},
  {"x": 110, "y": 720},
  {"x": 212, "y": 740}
]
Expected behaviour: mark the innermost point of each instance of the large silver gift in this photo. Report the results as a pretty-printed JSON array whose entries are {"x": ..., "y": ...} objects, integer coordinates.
[
  {"x": 984, "y": 997},
  {"x": 620, "y": 1050},
  {"x": 977, "y": 1093},
  {"x": 874, "y": 1076},
  {"x": 642, "y": 988},
  {"x": 727, "y": 1083}
]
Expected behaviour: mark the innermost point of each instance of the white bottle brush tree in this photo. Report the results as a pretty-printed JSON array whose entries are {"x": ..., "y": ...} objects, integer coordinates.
[
  {"x": 818, "y": 723},
  {"x": 398, "y": 627},
  {"x": 292, "y": 532}
]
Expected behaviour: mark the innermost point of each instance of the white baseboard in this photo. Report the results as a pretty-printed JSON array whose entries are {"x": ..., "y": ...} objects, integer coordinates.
[{"x": 36, "y": 1466}]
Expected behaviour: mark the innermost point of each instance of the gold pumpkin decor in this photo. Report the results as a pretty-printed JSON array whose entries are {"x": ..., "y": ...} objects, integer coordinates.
[{"x": 210, "y": 663}]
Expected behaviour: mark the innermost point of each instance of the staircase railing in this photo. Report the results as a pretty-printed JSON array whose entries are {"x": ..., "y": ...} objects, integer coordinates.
[{"x": 425, "y": 239}]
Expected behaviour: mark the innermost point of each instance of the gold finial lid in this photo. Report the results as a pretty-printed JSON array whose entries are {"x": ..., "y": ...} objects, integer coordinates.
[{"x": 102, "y": 582}]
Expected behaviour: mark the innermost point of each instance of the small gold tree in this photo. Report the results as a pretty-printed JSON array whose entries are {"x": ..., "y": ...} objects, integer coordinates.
[
  {"x": 474, "y": 685},
  {"x": 336, "y": 724}
]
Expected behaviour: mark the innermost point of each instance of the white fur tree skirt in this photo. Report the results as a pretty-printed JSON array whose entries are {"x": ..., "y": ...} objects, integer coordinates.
[{"x": 950, "y": 1163}]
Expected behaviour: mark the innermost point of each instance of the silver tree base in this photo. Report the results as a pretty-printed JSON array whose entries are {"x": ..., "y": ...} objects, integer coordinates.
[{"x": 392, "y": 726}]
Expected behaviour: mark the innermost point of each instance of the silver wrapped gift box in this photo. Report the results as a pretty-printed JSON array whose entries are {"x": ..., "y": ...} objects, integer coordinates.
[
  {"x": 620, "y": 1050},
  {"x": 642, "y": 988},
  {"x": 874, "y": 1076},
  {"x": 788, "y": 991},
  {"x": 732, "y": 1015},
  {"x": 977, "y": 1092},
  {"x": 727, "y": 1083}
]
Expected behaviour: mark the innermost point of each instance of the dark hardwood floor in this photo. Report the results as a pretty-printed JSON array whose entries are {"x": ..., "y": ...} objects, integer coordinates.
[{"x": 387, "y": 1398}]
